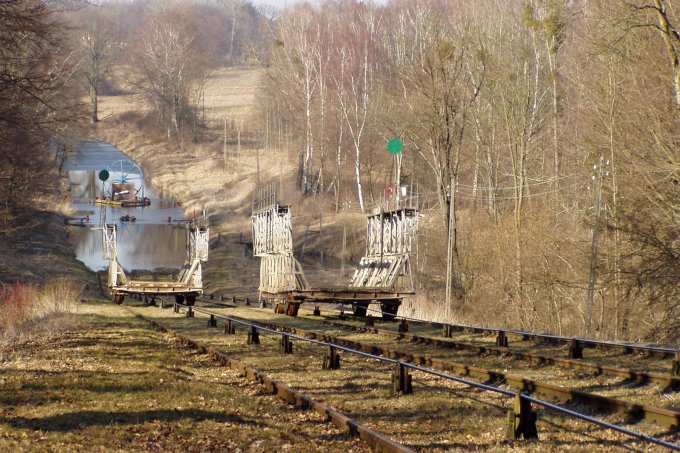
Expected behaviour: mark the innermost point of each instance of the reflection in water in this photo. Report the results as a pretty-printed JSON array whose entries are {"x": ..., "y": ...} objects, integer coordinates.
[
  {"x": 154, "y": 240},
  {"x": 139, "y": 246}
]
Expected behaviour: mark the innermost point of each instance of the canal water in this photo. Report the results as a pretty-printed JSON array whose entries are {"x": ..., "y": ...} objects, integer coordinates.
[{"x": 157, "y": 236}]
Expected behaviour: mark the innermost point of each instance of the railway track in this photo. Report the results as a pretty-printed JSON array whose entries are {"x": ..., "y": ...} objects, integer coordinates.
[
  {"x": 657, "y": 371},
  {"x": 517, "y": 382},
  {"x": 503, "y": 381},
  {"x": 376, "y": 440},
  {"x": 447, "y": 330},
  {"x": 666, "y": 381},
  {"x": 520, "y": 385}
]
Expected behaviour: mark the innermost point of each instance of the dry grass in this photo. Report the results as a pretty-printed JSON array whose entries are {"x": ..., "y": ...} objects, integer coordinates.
[
  {"x": 197, "y": 174},
  {"x": 116, "y": 385},
  {"x": 28, "y": 310},
  {"x": 439, "y": 416}
]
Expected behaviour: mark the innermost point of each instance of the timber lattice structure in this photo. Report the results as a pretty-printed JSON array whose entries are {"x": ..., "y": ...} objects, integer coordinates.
[
  {"x": 383, "y": 276},
  {"x": 189, "y": 282}
]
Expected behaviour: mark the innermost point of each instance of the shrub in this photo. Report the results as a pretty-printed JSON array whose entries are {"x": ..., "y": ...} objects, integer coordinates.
[{"x": 28, "y": 309}]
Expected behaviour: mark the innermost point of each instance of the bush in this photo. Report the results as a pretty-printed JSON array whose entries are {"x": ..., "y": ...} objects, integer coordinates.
[{"x": 27, "y": 309}]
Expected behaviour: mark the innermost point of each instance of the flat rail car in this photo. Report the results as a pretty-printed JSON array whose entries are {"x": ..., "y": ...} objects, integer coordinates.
[
  {"x": 359, "y": 298},
  {"x": 383, "y": 275}
]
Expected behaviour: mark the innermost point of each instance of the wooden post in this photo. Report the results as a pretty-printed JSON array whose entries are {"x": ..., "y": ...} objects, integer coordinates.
[
  {"x": 401, "y": 380},
  {"x": 321, "y": 237},
  {"x": 253, "y": 336},
  {"x": 224, "y": 146},
  {"x": 286, "y": 344},
  {"x": 522, "y": 420},
  {"x": 502, "y": 339},
  {"x": 675, "y": 370},
  {"x": 403, "y": 326},
  {"x": 575, "y": 349},
  {"x": 230, "y": 329},
  {"x": 331, "y": 361},
  {"x": 212, "y": 322},
  {"x": 238, "y": 144}
]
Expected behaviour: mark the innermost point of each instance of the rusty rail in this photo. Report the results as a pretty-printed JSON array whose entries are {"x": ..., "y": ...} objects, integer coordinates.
[
  {"x": 374, "y": 439},
  {"x": 663, "y": 417},
  {"x": 641, "y": 377}
]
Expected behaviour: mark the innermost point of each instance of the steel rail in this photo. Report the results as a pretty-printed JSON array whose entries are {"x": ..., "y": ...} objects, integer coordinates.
[
  {"x": 641, "y": 377},
  {"x": 374, "y": 439},
  {"x": 522, "y": 393},
  {"x": 664, "y": 352},
  {"x": 636, "y": 411}
]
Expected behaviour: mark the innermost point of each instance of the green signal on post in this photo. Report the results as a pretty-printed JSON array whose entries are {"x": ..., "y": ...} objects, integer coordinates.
[
  {"x": 104, "y": 175},
  {"x": 395, "y": 146}
]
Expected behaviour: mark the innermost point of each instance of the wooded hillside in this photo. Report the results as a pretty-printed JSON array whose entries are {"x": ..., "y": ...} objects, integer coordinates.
[{"x": 540, "y": 136}]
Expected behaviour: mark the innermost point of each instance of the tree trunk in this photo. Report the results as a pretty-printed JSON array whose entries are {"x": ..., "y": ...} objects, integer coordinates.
[
  {"x": 668, "y": 34},
  {"x": 93, "y": 95}
]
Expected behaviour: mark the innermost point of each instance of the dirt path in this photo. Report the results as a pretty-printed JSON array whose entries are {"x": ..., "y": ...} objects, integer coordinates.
[{"x": 116, "y": 385}]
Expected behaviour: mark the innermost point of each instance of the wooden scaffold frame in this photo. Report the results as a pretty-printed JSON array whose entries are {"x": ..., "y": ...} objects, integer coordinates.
[
  {"x": 384, "y": 274},
  {"x": 189, "y": 282},
  {"x": 280, "y": 271}
]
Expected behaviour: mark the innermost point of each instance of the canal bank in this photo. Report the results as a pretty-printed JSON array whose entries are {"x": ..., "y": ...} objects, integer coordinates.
[{"x": 37, "y": 248}]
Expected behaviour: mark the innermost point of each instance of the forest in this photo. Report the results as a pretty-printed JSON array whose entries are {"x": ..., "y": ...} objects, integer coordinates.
[{"x": 540, "y": 136}]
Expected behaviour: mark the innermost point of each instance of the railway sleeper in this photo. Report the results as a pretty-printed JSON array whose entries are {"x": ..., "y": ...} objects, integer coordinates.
[{"x": 633, "y": 411}]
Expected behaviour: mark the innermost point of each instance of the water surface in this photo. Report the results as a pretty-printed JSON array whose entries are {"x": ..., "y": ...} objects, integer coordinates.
[{"x": 157, "y": 237}]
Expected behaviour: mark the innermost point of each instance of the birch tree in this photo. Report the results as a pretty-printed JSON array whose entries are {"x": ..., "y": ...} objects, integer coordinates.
[
  {"x": 355, "y": 82},
  {"x": 297, "y": 77}
]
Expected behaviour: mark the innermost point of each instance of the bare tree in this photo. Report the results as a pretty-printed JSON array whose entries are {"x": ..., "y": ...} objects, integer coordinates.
[
  {"x": 99, "y": 51},
  {"x": 440, "y": 88},
  {"x": 36, "y": 104},
  {"x": 172, "y": 68},
  {"x": 297, "y": 78}
]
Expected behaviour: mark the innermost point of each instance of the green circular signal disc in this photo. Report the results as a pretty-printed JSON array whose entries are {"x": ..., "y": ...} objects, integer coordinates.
[
  {"x": 395, "y": 146},
  {"x": 104, "y": 175}
]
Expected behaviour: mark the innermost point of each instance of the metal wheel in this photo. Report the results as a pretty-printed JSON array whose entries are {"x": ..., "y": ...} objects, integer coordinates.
[{"x": 126, "y": 171}]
